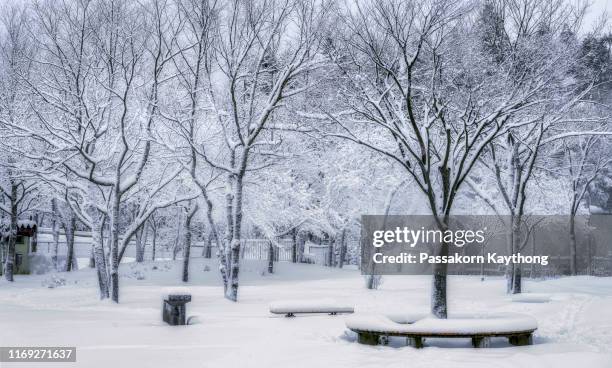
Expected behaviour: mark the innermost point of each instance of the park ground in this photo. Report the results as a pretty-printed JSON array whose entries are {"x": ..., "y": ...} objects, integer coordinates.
[{"x": 62, "y": 309}]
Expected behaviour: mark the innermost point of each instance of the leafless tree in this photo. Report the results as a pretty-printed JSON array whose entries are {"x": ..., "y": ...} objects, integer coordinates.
[{"x": 412, "y": 74}]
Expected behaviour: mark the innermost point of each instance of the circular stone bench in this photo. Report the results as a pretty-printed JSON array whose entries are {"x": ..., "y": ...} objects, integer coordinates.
[{"x": 518, "y": 328}]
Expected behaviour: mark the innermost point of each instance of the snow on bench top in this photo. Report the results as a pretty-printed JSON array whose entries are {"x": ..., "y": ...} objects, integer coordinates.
[
  {"x": 404, "y": 318},
  {"x": 310, "y": 306},
  {"x": 176, "y": 290},
  {"x": 531, "y": 298},
  {"x": 456, "y": 324}
]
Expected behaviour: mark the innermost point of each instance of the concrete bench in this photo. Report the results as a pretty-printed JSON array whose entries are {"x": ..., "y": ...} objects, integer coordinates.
[
  {"x": 292, "y": 307},
  {"x": 372, "y": 330},
  {"x": 531, "y": 298}
]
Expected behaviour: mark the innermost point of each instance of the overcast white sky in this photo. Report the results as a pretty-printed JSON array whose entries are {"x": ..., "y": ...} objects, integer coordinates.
[{"x": 598, "y": 8}]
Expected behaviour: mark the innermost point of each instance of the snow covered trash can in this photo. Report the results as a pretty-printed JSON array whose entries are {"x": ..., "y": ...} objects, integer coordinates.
[{"x": 174, "y": 309}]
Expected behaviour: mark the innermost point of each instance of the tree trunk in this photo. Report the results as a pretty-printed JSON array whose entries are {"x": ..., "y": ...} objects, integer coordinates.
[
  {"x": 141, "y": 239},
  {"x": 270, "y": 257},
  {"x": 10, "y": 259},
  {"x": 232, "y": 291},
  {"x": 177, "y": 240},
  {"x": 533, "y": 253},
  {"x": 221, "y": 254},
  {"x": 114, "y": 236},
  {"x": 187, "y": 247},
  {"x": 92, "y": 258},
  {"x": 98, "y": 221},
  {"x": 153, "y": 243},
  {"x": 3, "y": 250},
  {"x": 334, "y": 252},
  {"x": 9, "y": 266},
  {"x": 208, "y": 248},
  {"x": 482, "y": 265},
  {"x": 34, "y": 241},
  {"x": 517, "y": 239},
  {"x": 342, "y": 248},
  {"x": 55, "y": 230},
  {"x": 572, "y": 251},
  {"x": 294, "y": 246},
  {"x": 69, "y": 228},
  {"x": 518, "y": 278},
  {"x": 301, "y": 245},
  {"x": 330, "y": 253},
  {"x": 589, "y": 265},
  {"x": 439, "y": 306},
  {"x": 510, "y": 248}
]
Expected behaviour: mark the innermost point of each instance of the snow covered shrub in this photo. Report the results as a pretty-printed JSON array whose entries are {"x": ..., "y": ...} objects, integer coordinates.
[
  {"x": 53, "y": 281},
  {"x": 40, "y": 264},
  {"x": 373, "y": 282}
]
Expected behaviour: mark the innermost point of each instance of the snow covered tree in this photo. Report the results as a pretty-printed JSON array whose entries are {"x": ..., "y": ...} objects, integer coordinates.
[
  {"x": 245, "y": 72},
  {"x": 135, "y": 119},
  {"x": 513, "y": 160},
  {"x": 18, "y": 190},
  {"x": 94, "y": 91},
  {"x": 428, "y": 98},
  {"x": 585, "y": 161}
]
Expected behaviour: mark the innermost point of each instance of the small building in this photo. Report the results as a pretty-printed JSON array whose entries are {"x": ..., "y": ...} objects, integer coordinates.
[{"x": 24, "y": 247}]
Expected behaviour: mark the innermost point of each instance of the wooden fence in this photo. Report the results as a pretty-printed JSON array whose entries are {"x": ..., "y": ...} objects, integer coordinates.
[{"x": 251, "y": 249}]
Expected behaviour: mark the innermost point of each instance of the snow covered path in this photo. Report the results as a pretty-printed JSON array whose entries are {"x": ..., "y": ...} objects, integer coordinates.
[{"x": 575, "y": 326}]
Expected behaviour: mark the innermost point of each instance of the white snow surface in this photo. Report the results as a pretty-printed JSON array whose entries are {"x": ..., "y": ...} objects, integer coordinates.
[
  {"x": 310, "y": 306},
  {"x": 574, "y": 328},
  {"x": 457, "y": 323},
  {"x": 531, "y": 298}
]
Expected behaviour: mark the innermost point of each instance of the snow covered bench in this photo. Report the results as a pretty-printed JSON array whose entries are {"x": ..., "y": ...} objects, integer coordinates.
[
  {"x": 517, "y": 328},
  {"x": 292, "y": 307},
  {"x": 531, "y": 298}
]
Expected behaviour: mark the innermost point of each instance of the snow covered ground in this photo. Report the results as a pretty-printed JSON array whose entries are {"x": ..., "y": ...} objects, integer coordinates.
[{"x": 575, "y": 324}]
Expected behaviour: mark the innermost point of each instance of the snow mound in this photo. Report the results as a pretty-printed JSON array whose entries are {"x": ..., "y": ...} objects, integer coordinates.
[
  {"x": 531, "y": 298},
  {"x": 41, "y": 264},
  {"x": 310, "y": 306},
  {"x": 456, "y": 324}
]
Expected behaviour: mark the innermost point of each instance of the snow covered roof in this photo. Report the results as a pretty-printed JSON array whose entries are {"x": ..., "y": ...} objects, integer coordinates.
[
  {"x": 24, "y": 228},
  {"x": 26, "y": 223}
]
